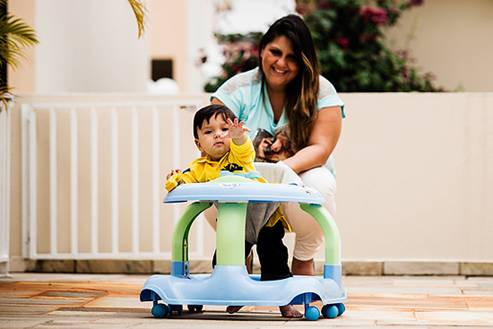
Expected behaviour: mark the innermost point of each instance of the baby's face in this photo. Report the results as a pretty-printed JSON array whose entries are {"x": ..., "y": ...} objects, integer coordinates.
[{"x": 212, "y": 137}]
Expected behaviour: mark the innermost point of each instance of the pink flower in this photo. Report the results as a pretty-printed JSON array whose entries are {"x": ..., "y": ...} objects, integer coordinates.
[
  {"x": 301, "y": 9},
  {"x": 374, "y": 14},
  {"x": 343, "y": 42},
  {"x": 255, "y": 51}
]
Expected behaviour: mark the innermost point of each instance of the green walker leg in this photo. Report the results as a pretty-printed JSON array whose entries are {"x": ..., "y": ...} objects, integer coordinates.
[
  {"x": 179, "y": 251},
  {"x": 230, "y": 233},
  {"x": 332, "y": 266}
]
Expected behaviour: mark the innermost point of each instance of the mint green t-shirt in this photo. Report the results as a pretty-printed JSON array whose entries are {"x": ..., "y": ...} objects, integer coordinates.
[{"x": 244, "y": 95}]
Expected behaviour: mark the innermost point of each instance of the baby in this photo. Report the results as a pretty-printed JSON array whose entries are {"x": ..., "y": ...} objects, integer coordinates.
[{"x": 225, "y": 145}]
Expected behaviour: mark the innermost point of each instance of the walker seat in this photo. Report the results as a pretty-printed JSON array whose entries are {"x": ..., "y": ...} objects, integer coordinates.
[{"x": 229, "y": 283}]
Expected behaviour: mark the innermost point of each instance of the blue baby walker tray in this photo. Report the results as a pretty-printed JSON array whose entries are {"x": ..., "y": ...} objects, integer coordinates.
[{"x": 230, "y": 283}]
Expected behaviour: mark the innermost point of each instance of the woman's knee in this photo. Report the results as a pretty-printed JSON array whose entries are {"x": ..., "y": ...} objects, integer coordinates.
[{"x": 320, "y": 179}]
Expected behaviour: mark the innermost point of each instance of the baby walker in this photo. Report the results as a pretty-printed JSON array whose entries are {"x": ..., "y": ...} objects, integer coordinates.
[{"x": 230, "y": 283}]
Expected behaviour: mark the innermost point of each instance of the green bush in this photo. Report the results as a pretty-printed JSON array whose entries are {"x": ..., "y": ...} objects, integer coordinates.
[{"x": 349, "y": 36}]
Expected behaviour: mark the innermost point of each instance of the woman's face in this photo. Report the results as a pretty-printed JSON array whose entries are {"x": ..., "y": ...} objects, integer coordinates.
[{"x": 279, "y": 63}]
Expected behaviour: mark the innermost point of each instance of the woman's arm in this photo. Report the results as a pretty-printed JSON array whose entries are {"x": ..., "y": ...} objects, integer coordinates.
[{"x": 323, "y": 139}]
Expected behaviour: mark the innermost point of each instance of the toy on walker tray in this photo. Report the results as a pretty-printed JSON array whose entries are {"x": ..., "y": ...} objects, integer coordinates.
[{"x": 230, "y": 283}]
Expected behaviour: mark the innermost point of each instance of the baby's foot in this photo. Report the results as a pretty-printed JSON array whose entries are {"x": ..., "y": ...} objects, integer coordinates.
[
  {"x": 233, "y": 309},
  {"x": 289, "y": 311}
]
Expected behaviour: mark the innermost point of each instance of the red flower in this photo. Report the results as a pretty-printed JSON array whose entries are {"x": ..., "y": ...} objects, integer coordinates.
[
  {"x": 343, "y": 42},
  {"x": 374, "y": 14},
  {"x": 301, "y": 8}
]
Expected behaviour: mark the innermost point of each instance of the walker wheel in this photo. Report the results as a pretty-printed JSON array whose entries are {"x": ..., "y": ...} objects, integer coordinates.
[
  {"x": 178, "y": 309},
  {"x": 341, "y": 308},
  {"x": 312, "y": 313},
  {"x": 330, "y": 311},
  {"x": 195, "y": 308},
  {"x": 160, "y": 310}
]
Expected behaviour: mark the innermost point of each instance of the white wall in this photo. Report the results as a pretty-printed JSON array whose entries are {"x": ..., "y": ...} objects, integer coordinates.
[
  {"x": 200, "y": 36},
  {"x": 88, "y": 46},
  {"x": 415, "y": 176},
  {"x": 451, "y": 39}
]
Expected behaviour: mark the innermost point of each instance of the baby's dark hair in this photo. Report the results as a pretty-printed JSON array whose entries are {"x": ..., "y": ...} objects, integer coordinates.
[{"x": 207, "y": 112}]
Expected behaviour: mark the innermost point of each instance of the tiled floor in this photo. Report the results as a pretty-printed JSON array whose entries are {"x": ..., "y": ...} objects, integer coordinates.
[{"x": 111, "y": 301}]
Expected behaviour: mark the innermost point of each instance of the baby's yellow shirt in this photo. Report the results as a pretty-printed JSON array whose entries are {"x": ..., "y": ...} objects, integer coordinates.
[{"x": 238, "y": 159}]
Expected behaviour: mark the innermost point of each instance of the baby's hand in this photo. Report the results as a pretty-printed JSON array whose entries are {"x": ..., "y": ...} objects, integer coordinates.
[
  {"x": 237, "y": 131},
  {"x": 172, "y": 172}
]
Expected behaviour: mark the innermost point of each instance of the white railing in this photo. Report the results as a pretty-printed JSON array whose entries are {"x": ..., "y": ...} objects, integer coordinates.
[
  {"x": 388, "y": 158},
  {"x": 95, "y": 189},
  {"x": 5, "y": 179}
]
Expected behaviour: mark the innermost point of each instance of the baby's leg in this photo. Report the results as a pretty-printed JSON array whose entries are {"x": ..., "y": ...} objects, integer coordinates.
[
  {"x": 273, "y": 257},
  {"x": 272, "y": 253}
]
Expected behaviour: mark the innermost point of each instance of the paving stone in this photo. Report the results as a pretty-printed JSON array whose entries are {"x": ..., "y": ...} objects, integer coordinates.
[
  {"x": 203, "y": 266},
  {"x": 476, "y": 268},
  {"x": 57, "y": 277},
  {"x": 25, "y": 310},
  {"x": 84, "y": 313},
  {"x": 17, "y": 293},
  {"x": 457, "y": 318},
  {"x": 161, "y": 266},
  {"x": 477, "y": 292},
  {"x": 42, "y": 301},
  {"x": 52, "y": 266},
  {"x": 119, "y": 302},
  {"x": 404, "y": 290},
  {"x": 111, "y": 301},
  {"x": 20, "y": 323},
  {"x": 421, "y": 268},
  {"x": 196, "y": 266},
  {"x": 362, "y": 268},
  {"x": 406, "y": 303},
  {"x": 114, "y": 266},
  {"x": 481, "y": 303},
  {"x": 71, "y": 294},
  {"x": 433, "y": 282}
]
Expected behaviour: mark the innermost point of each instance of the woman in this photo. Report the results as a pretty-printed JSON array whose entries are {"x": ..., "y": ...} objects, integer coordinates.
[{"x": 287, "y": 89}]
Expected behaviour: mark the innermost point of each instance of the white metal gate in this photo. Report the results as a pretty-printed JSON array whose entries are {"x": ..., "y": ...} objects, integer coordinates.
[{"x": 93, "y": 177}]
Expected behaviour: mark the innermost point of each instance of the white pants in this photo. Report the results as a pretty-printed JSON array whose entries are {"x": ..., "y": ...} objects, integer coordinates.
[{"x": 309, "y": 235}]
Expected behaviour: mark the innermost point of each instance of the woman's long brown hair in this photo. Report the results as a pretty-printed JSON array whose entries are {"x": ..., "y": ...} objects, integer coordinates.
[{"x": 302, "y": 92}]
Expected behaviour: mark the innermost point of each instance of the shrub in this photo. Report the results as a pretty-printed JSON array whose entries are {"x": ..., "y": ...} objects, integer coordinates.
[{"x": 349, "y": 36}]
